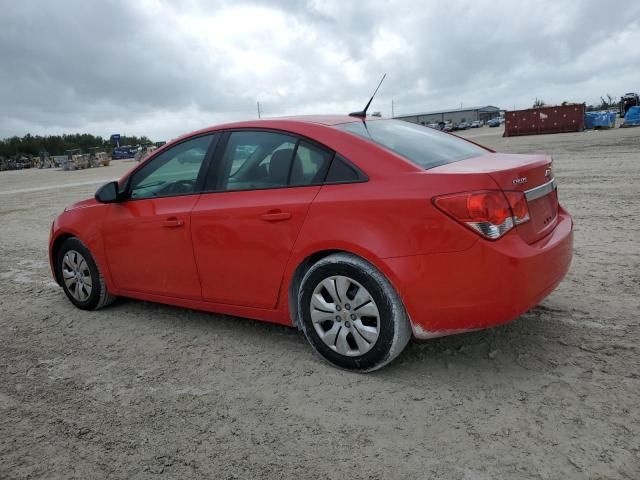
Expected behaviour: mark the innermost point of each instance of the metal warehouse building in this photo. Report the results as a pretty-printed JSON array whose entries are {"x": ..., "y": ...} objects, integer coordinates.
[{"x": 456, "y": 116}]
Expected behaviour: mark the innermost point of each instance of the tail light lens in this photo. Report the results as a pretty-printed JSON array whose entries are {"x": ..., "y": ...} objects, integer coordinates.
[
  {"x": 519, "y": 208},
  {"x": 491, "y": 213}
]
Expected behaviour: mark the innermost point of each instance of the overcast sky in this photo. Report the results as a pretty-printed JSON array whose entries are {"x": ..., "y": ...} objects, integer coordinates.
[{"x": 151, "y": 67}]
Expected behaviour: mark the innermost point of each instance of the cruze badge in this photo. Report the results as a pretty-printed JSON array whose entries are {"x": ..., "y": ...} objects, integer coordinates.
[{"x": 519, "y": 181}]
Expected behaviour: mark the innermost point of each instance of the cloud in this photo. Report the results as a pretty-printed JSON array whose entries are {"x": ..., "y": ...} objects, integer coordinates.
[{"x": 162, "y": 68}]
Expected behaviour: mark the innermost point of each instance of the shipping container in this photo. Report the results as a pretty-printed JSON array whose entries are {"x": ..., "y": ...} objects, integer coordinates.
[{"x": 534, "y": 121}]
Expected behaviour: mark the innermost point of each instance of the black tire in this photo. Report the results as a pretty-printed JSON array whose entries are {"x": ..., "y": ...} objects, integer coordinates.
[
  {"x": 394, "y": 328},
  {"x": 99, "y": 296}
]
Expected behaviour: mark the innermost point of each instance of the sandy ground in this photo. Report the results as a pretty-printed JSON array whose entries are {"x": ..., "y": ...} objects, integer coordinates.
[{"x": 140, "y": 389}]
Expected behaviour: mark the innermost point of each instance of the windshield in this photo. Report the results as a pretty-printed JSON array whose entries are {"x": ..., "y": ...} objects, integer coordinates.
[{"x": 423, "y": 146}]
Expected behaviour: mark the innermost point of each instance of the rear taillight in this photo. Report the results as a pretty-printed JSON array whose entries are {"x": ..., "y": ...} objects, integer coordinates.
[
  {"x": 519, "y": 208},
  {"x": 491, "y": 213}
]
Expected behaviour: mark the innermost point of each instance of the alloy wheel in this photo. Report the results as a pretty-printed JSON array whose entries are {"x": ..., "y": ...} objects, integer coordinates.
[
  {"x": 345, "y": 316},
  {"x": 76, "y": 275}
]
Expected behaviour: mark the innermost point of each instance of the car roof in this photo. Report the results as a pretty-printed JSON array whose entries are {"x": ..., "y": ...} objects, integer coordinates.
[
  {"x": 274, "y": 122},
  {"x": 318, "y": 119},
  {"x": 280, "y": 122}
]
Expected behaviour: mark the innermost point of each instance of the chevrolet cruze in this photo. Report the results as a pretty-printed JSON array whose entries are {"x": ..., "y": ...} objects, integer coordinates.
[{"x": 360, "y": 232}]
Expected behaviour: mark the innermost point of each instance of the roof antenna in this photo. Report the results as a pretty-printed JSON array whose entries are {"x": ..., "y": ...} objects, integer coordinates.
[{"x": 363, "y": 113}]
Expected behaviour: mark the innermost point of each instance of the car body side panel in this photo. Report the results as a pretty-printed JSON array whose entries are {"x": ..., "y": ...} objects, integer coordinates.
[
  {"x": 148, "y": 246},
  {"x": 242, "y": 242},
  {"x": 278, "y": 316},
  {"x": 84, "y": 221},
  {"x": 393, "y": 219}
]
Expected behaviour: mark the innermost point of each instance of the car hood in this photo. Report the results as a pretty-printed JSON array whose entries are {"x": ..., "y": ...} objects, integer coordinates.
[{"x": 89, "y": 202}]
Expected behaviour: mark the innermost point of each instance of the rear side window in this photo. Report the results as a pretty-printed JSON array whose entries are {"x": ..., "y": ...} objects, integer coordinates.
[
  {"x": 342, "y": 171},
  {"x": 310, "y": 164},
  {"x": 255, "y": 160},
  {"x": 423, "y": 146}
]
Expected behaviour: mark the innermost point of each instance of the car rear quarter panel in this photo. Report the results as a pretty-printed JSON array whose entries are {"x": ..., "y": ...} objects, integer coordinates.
[
  {"x": 484, "y": 286},
  {"x": 390, "y": 216}
]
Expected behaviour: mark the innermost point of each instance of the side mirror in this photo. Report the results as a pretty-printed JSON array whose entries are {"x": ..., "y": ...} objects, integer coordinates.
[{"x": 108, "y": 193}]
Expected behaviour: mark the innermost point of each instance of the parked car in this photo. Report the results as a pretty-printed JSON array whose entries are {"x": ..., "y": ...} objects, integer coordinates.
[
  {"x": 463, "y": 126},
  {"x": 476, "y": 124},
  {"x": 448, "y": 127},
  {"x": 361, "y": 233},
  {"x": 494, "y": 122}
]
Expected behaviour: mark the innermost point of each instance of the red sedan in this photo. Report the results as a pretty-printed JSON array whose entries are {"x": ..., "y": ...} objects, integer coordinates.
[{"x": 362, "y": 233}]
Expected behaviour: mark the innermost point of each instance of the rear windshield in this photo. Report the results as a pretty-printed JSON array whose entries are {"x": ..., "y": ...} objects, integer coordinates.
[{"x": 424, "y": 146}]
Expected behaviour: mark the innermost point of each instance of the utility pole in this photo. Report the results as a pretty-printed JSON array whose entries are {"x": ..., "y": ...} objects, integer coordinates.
[
  {"x": 392, "y": 110},
  {"x": 259, "y": 112}
]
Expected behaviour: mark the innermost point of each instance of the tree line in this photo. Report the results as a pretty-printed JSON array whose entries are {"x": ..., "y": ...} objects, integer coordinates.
[
  {"x": 610, "y": 103},
  {"x": 58, "y": 144}
]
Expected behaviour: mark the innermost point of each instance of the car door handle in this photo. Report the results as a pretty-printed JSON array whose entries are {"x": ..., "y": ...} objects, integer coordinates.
[
  {"x": 173, "y": 222},
  {"x": 276, "y": 216}
]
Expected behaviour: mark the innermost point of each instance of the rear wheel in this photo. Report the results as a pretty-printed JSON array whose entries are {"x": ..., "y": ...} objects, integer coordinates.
[
  {"x": 350, "y": 313},
  {"x": 80, "y": 277}
]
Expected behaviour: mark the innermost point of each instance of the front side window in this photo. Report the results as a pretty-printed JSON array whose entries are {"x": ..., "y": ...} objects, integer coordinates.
[
  {"x": 173, "y": 172},
  {"x": 257, "y": 159},
  {"x": 423, "y": 146}
]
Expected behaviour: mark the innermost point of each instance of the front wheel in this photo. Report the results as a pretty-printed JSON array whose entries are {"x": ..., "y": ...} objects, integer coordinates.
[
  {"x": 80, "y": 277},
  {"x": 350, "y": 313}
]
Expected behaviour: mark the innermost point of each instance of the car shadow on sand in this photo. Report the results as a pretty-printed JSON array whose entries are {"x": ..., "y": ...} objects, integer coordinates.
[
  {"x": 534, "y": 343},
  {"x": 531, "y": 342}
]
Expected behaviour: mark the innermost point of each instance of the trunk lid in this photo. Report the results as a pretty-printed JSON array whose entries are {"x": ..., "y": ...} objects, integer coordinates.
[{"x": 531, "y": 174}]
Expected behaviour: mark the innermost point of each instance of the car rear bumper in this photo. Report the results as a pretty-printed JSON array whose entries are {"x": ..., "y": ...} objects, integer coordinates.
[{"x": 489, "y": 284}]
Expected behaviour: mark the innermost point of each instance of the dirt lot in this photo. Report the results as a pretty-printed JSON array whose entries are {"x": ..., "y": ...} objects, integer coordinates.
[{"x": 140, "y": 389}]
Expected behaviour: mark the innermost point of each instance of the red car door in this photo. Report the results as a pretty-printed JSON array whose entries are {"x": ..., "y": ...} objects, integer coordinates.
[
  {"x": 244, "y": 231},
  {"x": 147, "y": 237}
]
